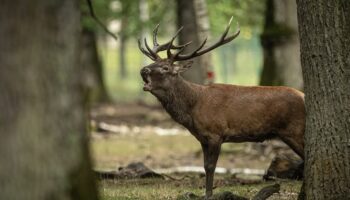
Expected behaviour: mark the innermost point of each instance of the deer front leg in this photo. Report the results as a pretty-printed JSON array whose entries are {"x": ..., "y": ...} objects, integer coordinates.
[{"x": 210, "y": 153}]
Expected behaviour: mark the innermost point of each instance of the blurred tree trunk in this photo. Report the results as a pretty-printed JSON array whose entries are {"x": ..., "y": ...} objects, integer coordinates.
[
  {"x": 228, "y": 57},
  {"x": 122, "y": 54},
  {"x": 203, "y": 28},
  {"x": 144, "y": 17},
  {"x": 281, "y": 45},
  {"x": 192, "y": 14},
  {"x": 43, "y": 147},
  {"x": 93, "y": 70},
  {"x": 325, "y": 46},
  {"x": 122, "y": 42}
]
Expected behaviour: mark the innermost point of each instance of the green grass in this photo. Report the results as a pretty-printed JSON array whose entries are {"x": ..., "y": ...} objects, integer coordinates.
[
  {"x": 113, "y": 150},
  {"x": 158, "y": 189},
  {"x": 156, "y": 151},
  {"x": 164, "y": 152},
  {"x": 125, "y": 149}
]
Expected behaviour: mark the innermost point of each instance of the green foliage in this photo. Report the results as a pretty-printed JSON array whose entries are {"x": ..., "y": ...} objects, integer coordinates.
[
  {"x": 159, "y": 11},
  {"x": 102, "y": 10},
  {"x": 243, "y": 69},
  {"x": 249, "y": 13},
  {"x": 164, "y": 13},
  {"x": 128, "y": 11}
]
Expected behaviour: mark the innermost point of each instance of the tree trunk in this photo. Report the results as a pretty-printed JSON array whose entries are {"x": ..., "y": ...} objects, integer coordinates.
[
  {"x": 186, "y": 16},
  {"x": 144, "y": 17},
  {"x": 203, "y": 28},
  {"x": 93, "y": 70},
  {"x": 122, "y": 42},
  {"x": 268, "y": 75},
  {"x": 325, "y": 45},
  {"x": 43, "y": 146},
  {"x": 122, "y": 56},
  {"x": 281, "y": 45}
]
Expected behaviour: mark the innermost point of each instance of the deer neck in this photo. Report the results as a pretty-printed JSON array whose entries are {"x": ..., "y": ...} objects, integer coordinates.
[{"x": 179, "y": 101}]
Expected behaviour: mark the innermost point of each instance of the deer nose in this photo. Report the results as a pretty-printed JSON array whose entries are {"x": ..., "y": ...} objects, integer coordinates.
[{"x": 145, "y": 71}]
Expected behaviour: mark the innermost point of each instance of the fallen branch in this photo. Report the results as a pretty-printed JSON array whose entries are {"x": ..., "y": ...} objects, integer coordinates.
[
  {"x": 266, "y": 192},
  {"x": 133, "y": 170}
]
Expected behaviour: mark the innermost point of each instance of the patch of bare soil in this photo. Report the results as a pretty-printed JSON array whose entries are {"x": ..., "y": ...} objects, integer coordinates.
[{"x": 132, "y": 114}]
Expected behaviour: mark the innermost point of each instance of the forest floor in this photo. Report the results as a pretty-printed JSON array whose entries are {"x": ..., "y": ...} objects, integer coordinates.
[{"x": 125, "y": 133}]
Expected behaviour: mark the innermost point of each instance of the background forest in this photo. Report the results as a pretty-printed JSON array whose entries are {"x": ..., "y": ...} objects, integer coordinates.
[
  {"x": 265, "y": 53},
  {"x": 241, "y": 62},
  {"x": 75, "y": 122}
]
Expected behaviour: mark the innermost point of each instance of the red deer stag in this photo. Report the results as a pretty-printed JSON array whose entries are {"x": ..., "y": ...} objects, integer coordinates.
[{"x": 219, "y": 113}]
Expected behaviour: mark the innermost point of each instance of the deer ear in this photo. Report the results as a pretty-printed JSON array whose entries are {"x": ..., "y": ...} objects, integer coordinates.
[{"x": 182, "y": 68}]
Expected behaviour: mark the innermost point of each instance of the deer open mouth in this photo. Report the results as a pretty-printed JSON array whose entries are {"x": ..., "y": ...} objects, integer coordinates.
[{"x": 147, "y": 86}]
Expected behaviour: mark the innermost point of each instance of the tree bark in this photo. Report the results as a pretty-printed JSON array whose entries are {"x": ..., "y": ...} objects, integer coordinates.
[
  {"x": 144, "y": 17},
  {"x": 43, "y": 146},
  {"x": 93, "y": 69},
  {"x": 186, "y": 17},
  {"x": 325, "y": 45},
  {"x": 203, "y": 27},
  {"x": 281, "y": 45},
  {"x": 122, "y": 55},
  {"x": 123, "y": 41}
]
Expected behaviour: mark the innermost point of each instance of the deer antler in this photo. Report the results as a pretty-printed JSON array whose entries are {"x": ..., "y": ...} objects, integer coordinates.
[
  {"x": 199, "y": 51},
  {"x": 153, "y": 53}
]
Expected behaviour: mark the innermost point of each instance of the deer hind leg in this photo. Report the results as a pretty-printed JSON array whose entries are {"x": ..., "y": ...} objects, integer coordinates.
[
  {"x": 295, "y": 140},
  {"x": 211, "y": 154}
]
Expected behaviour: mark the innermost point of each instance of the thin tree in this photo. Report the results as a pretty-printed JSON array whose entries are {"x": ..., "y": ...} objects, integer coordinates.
[
  {"x": 281, "y": 45},
  {"x": 325, "y": 45},
  {"x": 93, "y": 69},
  {"x": 43, "y": 146},
  {"x": 93, "y": 76},
  {"x": 203, "y": 28},
  {"x": 196, "y": 26},
  {"x": 126, "y": 10}
]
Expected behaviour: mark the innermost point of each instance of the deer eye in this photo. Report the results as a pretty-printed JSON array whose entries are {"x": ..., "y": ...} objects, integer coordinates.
[{"x": 166, "y": 68}]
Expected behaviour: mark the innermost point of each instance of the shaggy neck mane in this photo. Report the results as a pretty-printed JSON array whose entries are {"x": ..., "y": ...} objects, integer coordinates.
[{"x": 179, "y": 101}]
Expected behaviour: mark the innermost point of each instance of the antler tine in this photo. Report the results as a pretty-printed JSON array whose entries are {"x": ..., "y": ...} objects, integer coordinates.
[
  {"x": 157, "y": 48},
  {"x": 223, "y": 40},
  {"x": 168, "y": 52},
  {"x": 155, "y": 33},
  {"x": 238, "y": 31},
  {"x": 181, "y": 50},
  {"x": 182, "y": 46},
  {"x": 200, "y": 47},
  {"x": 227, "y": 28},
  {"x": 144, "y": 51},
  {"x": 166, "y": 45},
  {"x": 171, "y": 46},
  {"x": 177, "y": 33},
  {"x": 153, "y": 53}
]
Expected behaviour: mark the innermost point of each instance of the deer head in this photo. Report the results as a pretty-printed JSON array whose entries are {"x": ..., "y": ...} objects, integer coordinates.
[{"x": 163, "y": 73}]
